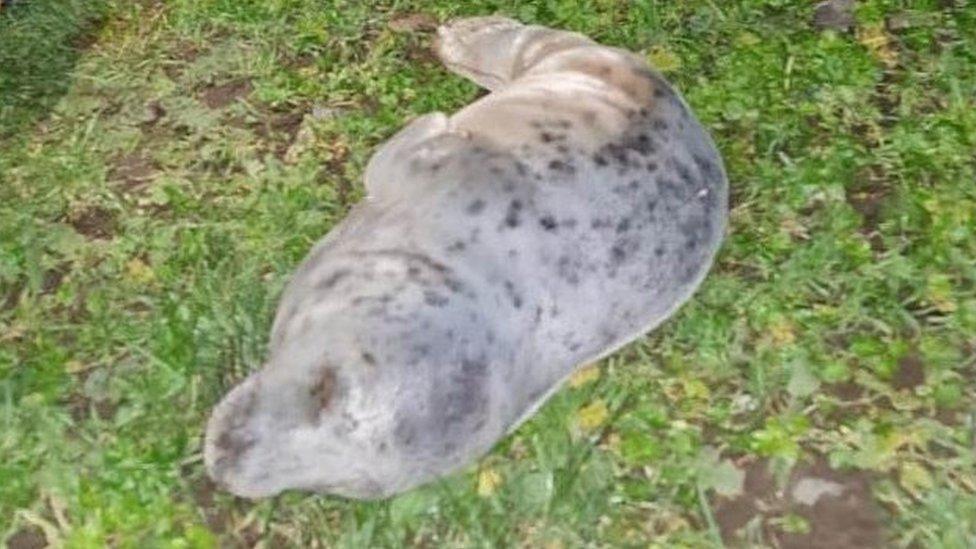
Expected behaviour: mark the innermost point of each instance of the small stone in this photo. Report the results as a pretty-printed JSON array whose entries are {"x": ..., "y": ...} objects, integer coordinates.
[
  {"x": 834, "y": 15},
  {"x": 809, "y": 490}
]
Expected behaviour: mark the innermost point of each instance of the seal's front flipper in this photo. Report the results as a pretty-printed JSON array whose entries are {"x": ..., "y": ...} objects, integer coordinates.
[{"x": 384, "y": 171}]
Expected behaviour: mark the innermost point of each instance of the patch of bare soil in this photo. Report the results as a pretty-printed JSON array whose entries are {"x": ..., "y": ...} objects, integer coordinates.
[
  {"x": 910, "y": 372},
  {"x": 836, "y": 508},
  {"x": 82, "y": 408},
  {"x": 219, "y": 96},
  {"x": 154, "y": 113},
  {"x": 220, "y": 519},
  {"x": 27, "y": 538},
  {"x": 53, "y": 277},
  {"x": 413, "y": 22},
  {"x": 96, "y": 223},
  {"x": 278, "y": 130},
  {"x": 184, "y": 54},
  {"x": 867, "y": 197},
  {"x": 835, "y": 15}
]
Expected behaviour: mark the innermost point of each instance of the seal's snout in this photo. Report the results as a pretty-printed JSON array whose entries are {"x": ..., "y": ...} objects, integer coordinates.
[{"x": 229, "y": 437}]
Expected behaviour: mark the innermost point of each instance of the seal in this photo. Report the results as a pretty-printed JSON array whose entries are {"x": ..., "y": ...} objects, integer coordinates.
[{"x": 566, "y": 213}]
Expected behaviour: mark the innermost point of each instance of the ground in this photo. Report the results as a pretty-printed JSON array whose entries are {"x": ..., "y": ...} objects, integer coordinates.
[{"x": 165, "y": 164}]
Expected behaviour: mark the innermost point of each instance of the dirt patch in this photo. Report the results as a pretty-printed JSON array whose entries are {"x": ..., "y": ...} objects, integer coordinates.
[
  {"x": 220, "y": 518},
  {"x": 834, "y": 15},
  {"x": 82, "y": 408},
  {"x": 887, "y": 98},
  {"x": 910, "y": 372},
  {"x": 847, "y": 391},
  {"x": 219, "y": 96},
  {"x": 184, "y": 54},
  {"x": 53, "y": 277},
  {"x": 866, "y": 196},
  {"x": 154, "y": 113},
  {"x": 413, "y": 22},
  {"x": 132, "y": 172},
  {"x": 27, "y": 538},
  {"x": 835, "y": 509},
  {"x": 278, "y": 130},
  {"x": 336, "y": 165},
  {"x": 11, "y": 297},
  {"x": 96, "y": 223}
]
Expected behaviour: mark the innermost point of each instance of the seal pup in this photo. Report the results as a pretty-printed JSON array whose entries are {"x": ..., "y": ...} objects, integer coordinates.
[{"x": 561, "y": 216}]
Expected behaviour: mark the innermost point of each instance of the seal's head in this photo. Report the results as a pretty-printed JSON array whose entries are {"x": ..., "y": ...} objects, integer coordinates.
[
  {"x": 312, "y": 422},
  {"x": 375, "y": 413}
]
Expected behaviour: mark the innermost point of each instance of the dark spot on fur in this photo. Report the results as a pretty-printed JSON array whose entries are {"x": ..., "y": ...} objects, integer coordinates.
[
  {"x": 513, "y": 295},
  {"x": 617, "y": 254},
  {"x": 659, "y": 124},
  {"x": 330, "y": 281},
  {"x": 548, "y": 223},
  {"x": 568, "y": 269},
  {"x": 512, "y": 216},
  {"x": 454, "y": 285},
  {"x": 521, "y": 168},
  {"x": 324, "y": 391},
  {"x": 476, "y": 207},
  {"x": 652, "y": 166},
  {"x": 434, "y": 299},
  {"x": 623, "y": 226},
  {"x": 684, "y": 172},
  {"x": 368, "y": 358},
  {"x": 670, "y": 187},
  {"x": 659, "y": 251},
  {"x": 457, "y": 246},
  {"x": 560, "y": 166},
  {"x": 599, "y": 159}
]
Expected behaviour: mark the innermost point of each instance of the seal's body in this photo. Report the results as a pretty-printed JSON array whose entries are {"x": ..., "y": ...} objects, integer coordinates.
[{"x": 545, "y": 225}]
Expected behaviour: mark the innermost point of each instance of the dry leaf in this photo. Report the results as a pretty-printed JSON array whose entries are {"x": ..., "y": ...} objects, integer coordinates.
[
  {"x": 137, "y": 271},
  {"x": 781, "y": 333},
  {"x": 488, "y": 482},
  {"x": 584, "y": 375},
  {"x": 878, "y": 42},
  {"x": 663, "y": 59},
  {"x": 592, "y": 416}
]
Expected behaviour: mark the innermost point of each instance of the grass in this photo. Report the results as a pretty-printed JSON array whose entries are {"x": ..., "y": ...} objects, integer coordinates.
[{"x": 165, "y": 165}]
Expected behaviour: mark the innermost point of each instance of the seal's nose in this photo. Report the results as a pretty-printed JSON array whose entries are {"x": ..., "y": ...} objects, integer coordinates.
[{"x": 228, "y": 438}]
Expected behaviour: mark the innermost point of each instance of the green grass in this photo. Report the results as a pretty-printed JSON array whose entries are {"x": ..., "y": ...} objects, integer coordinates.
[{"x": 158, "y": 185}]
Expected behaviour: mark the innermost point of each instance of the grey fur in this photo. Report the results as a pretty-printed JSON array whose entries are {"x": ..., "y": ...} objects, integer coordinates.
[{"x": 568, "y": 212}]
